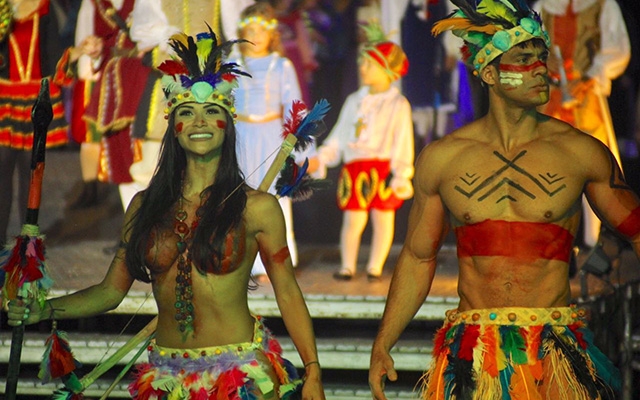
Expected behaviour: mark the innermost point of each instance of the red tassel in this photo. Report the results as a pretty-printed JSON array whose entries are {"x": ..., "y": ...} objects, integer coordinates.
[
  {"x": 61, "y": 360},
  {"x": 579, "y": 335}
]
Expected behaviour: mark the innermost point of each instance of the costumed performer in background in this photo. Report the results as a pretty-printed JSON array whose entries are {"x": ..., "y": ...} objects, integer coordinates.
[
  {"x": 373, "y": 137},
  {"x": 594, "y": 47},
  {"x": 29, "y": 51},
  {"x": 509, "y": 185},
  {"x": 113, "y": 105},
  {"x": 193, "y": 234},
  {"x": 261, "y": 104}
]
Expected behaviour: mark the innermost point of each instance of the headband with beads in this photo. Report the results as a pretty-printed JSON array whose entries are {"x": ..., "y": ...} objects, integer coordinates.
[
  {"x": 490, "y": 28},
  {"x": 197, "y": 72},
  {"x": 267, "y": 24}
]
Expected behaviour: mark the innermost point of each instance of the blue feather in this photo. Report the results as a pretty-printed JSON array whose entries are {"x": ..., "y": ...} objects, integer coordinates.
[
  {"x": 312, "y": 125},
  {"x": 604, "y": 367}
]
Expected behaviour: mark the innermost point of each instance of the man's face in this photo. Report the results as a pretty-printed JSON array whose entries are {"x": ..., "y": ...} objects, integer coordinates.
[{"x": 523, "y": 75}]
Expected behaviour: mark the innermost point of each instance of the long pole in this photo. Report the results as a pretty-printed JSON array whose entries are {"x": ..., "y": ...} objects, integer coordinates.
[{"x": 41, "y": 116}]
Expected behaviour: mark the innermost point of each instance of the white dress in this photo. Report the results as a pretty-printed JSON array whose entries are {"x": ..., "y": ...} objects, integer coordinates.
[{"x": 266, "y": 99}]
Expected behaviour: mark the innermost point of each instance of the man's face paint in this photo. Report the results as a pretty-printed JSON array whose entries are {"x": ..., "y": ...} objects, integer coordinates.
[{"x": 512, "y": 75}]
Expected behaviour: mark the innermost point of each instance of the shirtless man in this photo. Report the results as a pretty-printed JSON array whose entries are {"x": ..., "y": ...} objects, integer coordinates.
[{"x": 510, "y": 187}]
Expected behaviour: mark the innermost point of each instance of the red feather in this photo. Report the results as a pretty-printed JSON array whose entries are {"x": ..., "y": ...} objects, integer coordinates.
[
  {"x": 579, "y": 335},
  {"x": 438, "y": 341},
  {"x": 296, "y": 115},
  {"x": 468, "y": 342},
  {"x": 173, "y": 67},
  {"x": 61, "y": 361}
]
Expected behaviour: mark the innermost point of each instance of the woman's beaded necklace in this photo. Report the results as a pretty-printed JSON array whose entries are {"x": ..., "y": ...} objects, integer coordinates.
[{"x": 184, "y": 291}]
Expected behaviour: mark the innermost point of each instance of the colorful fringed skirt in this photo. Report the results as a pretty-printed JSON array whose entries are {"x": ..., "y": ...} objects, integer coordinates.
[
  {"x": 236, "y": 371},
  {"x": 518, "y": 353},
  {"x": 363, "y": 185}
]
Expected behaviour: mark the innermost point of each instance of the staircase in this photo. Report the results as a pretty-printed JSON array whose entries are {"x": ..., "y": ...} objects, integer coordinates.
[{"x": 345, "y": 327}]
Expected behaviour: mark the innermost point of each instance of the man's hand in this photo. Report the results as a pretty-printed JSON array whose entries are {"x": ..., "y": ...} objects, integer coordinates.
[
  {"x": 19, "y": 312},
  {"x": 380, "y": 369}
]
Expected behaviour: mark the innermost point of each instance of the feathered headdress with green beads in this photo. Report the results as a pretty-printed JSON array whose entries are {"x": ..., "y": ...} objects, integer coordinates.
[
  {"x": 490, "y": 28},
  {"x": 197, "y": 72}
]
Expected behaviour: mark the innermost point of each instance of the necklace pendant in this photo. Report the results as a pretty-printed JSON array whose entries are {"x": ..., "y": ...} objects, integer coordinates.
[{"x": 182, "y": 246}]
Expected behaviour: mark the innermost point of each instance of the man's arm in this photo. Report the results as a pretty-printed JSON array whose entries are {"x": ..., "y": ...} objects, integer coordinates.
[
  {"x": 611, "y": 197},
  {"x": 274, "y": 253},
  {"x": 413, "y": 273}
]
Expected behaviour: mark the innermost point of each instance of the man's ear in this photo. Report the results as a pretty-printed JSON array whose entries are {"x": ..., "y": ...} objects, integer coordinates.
[{"x": 489, "y": 75}]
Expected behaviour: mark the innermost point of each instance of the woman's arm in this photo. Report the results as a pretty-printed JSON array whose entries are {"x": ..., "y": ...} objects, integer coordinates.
[
  {"x": 93, "y": 300},
  {"x": 272, "y": 242}
]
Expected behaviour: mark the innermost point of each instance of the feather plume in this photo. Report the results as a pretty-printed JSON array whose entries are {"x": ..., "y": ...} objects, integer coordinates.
[
  {"x": 57, "y": 360},
  {"x": 469, "y": 342},
  {"x": 458, "y": 374},
  {"x": 440, "y": 339},
  {"x": 494, "y": 358},
  {"x": 305, "y": 126},
  {"x": 464, "y": 24},
  {"x": 433, "y": 382},
  {"x": 505, "y": 380},
  {"x": 523, "y": 384},
  {"x": 294, "y": 182},
  {"x": 498, "y": 11},
  {"x": 578, "y": 363},
  {"x": 294, "y": 119},
  {"x": 605, "y": 369},
  {"x": 513, "y": 344}
]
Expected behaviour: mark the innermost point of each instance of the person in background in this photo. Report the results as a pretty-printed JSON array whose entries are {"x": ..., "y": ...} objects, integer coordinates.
[
  {"x": 509, "y": 185},
  {"x": 262, "y": 103},
  {"x": 590, "y": 47},
  {"x": 374, "y": 139},
  {"x": 193, "y": 234},
  {"x": 29, "y": 51}
]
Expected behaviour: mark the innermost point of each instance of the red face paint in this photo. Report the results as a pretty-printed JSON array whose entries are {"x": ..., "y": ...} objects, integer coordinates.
[
  {"x": 630, "y": 227},
  {"x": 179, "y": 127},
  {"x": 522, "y": 68},
  {"x": 222, "y": 124},
  {"x": 524, "y": 241}
]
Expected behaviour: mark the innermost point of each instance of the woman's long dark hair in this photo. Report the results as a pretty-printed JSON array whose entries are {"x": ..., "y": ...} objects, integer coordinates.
[{"x": 222, "y": 211}]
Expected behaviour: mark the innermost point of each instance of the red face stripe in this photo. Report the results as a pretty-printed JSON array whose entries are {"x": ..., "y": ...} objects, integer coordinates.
[
  {"x": 526, "y": 241},
  {"x": 630, "y": 227},
  {"x": 522, "y": 68},
  {"x": 281, "y": 255},
  {"x": 222, "y": 124}
]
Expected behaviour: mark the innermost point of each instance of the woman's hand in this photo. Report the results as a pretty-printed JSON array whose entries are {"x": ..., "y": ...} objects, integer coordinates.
[
  {"x": 312, "y": 387},
  {"x": 19, "y": 312}
]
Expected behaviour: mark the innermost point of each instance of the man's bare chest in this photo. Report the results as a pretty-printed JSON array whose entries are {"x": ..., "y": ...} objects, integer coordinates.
[{"x": 524, "y": 184}]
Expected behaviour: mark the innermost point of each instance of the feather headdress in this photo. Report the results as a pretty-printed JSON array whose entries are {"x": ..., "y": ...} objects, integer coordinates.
[
  {"x": 388, "y": 54},
  {"x": 197, "y": 72},
  {"x": 490, "y": 28}
]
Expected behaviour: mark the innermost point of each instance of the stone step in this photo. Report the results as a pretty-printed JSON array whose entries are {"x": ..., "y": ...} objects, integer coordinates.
[
  {"x": 320, "y": 306},
  {"x": 34, "y": 389},
  {"x": 344, "y": 353}
]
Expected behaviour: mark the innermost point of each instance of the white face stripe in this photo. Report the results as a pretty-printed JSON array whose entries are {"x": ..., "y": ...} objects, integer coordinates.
[{"x": 511, "y": 78}]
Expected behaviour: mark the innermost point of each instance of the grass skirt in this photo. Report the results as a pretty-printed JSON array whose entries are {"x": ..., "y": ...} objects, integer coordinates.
[
  {"x": 230, "y": 372},
  {"x": 518, "y": 353}
]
